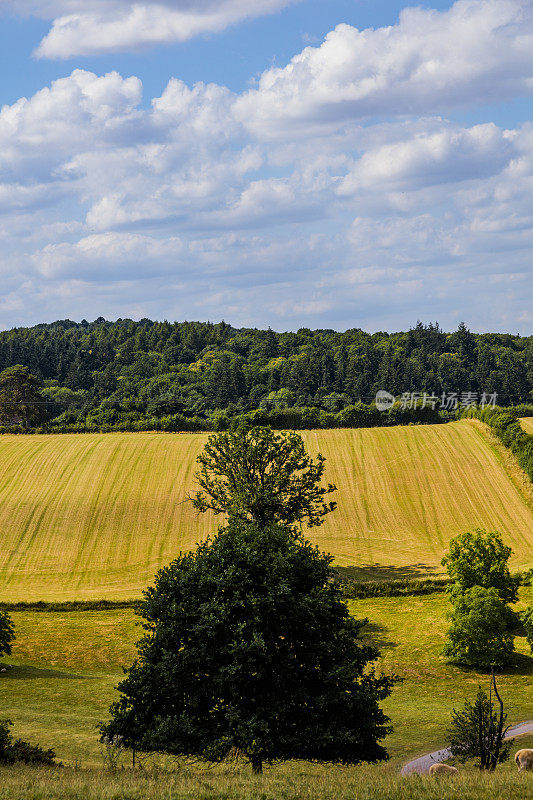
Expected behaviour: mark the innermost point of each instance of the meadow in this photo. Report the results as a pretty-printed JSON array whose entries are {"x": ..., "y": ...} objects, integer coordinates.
[
  {"x": 293, "y": 781},
  {"x": 90, "y": 516},
  {"x": 66, "y": 666}
]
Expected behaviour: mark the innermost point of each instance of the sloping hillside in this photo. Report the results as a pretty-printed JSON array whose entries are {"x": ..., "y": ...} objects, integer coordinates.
[{"x": 95, "y": 515}]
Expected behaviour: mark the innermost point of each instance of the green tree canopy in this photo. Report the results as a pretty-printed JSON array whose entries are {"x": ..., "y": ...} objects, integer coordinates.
[
  {"x": 249, "y": 646},
  {"x": 478, "y": 558},
  {"x": 254, "y": 474},
  {"x": 20, "y": 398},
  {"x": 480, "y": 635}
]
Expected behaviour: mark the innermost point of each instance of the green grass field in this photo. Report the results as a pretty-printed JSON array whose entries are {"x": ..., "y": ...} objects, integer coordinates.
[
  {"x": 527, "y": 424},
  {"x": 95, "y": 515},
  {"x": 67, "y": 665}
]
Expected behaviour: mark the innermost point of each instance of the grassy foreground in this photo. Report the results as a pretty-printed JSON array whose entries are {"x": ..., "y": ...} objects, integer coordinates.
[
  {"x": 68, "y": 664},
  {"x": 292, "y": 781},
  {"x": 95, "y": 515}
]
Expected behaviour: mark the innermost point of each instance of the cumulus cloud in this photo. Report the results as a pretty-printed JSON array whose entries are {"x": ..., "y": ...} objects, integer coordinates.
[
  {"x": 103, "y": 26},
  {"x": 478, "y": 51},
  {"x": 90, "y": 257},
  {"x": 450, "y": 155},
  {"x": 208, "y": 204}
]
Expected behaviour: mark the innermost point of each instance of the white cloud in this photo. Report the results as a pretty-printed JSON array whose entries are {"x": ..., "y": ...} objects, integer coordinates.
[
  {"x": 181, "y": 192},
  {"x": 188, "y": 207},
  {"x": 478, "y": 51},
  {"x": 90, "y": 257},
  {"x": 450, "y": 155},
  {"x": 102, "y": 26}
]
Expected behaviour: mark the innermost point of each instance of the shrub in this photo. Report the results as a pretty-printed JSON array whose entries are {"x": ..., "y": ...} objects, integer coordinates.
[{"x": 12, "y": 751}]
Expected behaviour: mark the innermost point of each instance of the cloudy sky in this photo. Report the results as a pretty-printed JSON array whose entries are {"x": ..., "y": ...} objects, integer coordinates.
[{"x": 318, "y": 163}]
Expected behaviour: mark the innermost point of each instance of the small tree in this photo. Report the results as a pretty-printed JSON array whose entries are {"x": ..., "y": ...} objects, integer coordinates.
[
  {"x": 254, "y": 474},
  {"x": 477, "y": 731},
  {"x": 7, "y": 633},
  {"x": 478, "y": 558},
  {"x": 249, "y": 647},
  {"x": 480, "y": 635},
  {"x": 20, "y": 398}
]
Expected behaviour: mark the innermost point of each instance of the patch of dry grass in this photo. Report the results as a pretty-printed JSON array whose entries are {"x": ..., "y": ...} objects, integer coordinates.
[{"x": 527, "y": 424}]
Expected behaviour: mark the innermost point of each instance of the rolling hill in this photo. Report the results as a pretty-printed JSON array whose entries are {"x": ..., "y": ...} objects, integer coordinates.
[{"x": 95, "y": 515}]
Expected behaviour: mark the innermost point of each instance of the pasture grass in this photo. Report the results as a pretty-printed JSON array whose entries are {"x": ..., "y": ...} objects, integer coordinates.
[
  {"x": 92, "y": 516},
  {"x": 291, "y": 781},
  {"x": 67, "y": 665}
]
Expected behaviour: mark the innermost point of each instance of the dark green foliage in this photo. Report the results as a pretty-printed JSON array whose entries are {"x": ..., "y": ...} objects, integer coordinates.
[
  {"x": 13, "y": 751},
  {"x": 480, "y": 634},
  {"x": 20, "y": 399},
  {"x": 393, "y": 588},
  {"x": 7, "y": 633},
  {"x": 478, "y": 558},
  {"x": 526, "y": 618},
  {"x": 66, "y": 606},
  {"x": 249, "y": 645},
  {"x": 477, "y": 732},
  {"x": 148, "y": 375},
  {"x": 254, "y": 474}
]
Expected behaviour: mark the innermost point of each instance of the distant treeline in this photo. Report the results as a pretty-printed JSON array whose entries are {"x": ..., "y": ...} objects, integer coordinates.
[{"x": 190, "y": 376}]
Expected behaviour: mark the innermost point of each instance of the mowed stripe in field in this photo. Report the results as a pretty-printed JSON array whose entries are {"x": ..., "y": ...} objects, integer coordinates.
[
  {"x": 95, "y": 515},
  {"x": 527, "y": 424}
]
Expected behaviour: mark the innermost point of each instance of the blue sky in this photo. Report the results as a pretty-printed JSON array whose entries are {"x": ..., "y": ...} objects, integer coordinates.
[{"x": 351, "y": 163}]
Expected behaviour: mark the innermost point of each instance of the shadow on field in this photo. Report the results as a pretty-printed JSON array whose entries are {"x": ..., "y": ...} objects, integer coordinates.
[
  {"x": 521, "y": 665},
  {"x": 23, "y": 673},
  {"x": 380, "y": 572},
  {"x": 375, "y": 634}
]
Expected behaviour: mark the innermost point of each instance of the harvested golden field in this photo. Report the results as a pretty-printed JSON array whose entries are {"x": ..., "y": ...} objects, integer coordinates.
[
  {"x": 527, "y": 424},
  {"x": 95, "y": 515}
]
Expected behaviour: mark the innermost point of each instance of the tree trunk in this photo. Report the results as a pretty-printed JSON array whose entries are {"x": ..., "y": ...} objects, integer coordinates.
[
  {"x": 500, "y": 734},
  {"x": 257, "y": 765}
]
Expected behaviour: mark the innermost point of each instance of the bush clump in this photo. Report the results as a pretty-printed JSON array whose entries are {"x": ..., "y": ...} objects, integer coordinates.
[{"x": 14, "y": 751}]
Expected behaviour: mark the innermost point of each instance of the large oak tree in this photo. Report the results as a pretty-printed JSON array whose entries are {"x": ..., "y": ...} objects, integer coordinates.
[{"x": 248, "y": 646}]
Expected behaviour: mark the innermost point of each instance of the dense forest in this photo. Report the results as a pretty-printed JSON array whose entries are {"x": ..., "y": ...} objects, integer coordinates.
[{"x": 192, "y": 375}]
